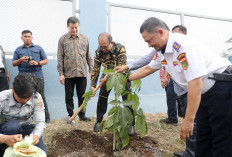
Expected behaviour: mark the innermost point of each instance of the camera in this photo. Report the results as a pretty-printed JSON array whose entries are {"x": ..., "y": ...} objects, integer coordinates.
[{"x": 29, "y": 58}]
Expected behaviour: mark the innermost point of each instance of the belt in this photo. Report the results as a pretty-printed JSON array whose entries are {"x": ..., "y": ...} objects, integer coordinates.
[
  {"x": 2, "y": 70},
  {"x": 228, "y": 69},
  {"x": 226, "y": 76}
]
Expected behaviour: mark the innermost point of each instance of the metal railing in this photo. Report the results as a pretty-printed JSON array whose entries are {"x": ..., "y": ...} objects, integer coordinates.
[{"x": 181, "y": 14}]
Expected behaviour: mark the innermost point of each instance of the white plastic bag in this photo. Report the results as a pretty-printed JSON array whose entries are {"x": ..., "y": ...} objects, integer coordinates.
[{"x": 24, "y": 148}]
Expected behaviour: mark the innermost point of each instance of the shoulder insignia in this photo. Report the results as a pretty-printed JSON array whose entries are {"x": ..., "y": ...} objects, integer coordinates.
[
  {"x": 175, "y": 63},
  {"x": 155, "y": 56},
  {"x": 122, "y": 49},
  {"x": 40, "y": 103},
  {"x": 176, "y": 46},
  {"x": 183, "y": 61},
  {"x": 164, "y": 61}
]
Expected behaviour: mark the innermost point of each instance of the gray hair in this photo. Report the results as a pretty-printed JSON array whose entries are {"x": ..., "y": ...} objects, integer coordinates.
[
  {"x": 151, "y": 24},
  {"x": 109, "y": 36}
]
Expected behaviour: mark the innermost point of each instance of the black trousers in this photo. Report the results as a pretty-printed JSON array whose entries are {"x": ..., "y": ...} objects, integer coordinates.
[
  {"x": 103, "y": 102},
  {"x": 4, "y": 85},
  {"x": 214, "y": 122},
  {"x": 70, "y": 83},
  {"x": 41, "y": 92},
  {"x": 191, "y": 141},
  {"x": 171, "y": 101}
]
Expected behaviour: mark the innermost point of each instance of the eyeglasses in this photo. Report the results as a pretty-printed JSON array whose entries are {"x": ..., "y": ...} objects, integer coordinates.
[{"x": 104, "y": 47}]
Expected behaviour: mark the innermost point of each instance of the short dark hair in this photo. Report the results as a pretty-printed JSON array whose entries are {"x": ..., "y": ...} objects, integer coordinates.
[
  {"x": 109, "y": 36},
  {"x": 25, "y": 85},
  {"x": 73, "y": 20},
  {"x": 26, "y": 31},
  {"x": 152, "y": 23},
  {"x": 181, "y": 27}
]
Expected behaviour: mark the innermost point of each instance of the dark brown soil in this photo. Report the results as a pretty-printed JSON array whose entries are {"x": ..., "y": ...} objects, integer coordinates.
[{"x": 84, "y": 144}]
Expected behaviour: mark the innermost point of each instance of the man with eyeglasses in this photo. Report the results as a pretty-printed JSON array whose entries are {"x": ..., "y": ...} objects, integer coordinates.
[{"x": 109, "y": 54}]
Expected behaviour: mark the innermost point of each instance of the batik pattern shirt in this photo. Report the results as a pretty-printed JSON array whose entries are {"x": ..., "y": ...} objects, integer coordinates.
[
  {"x": 73, "y": 56},
  {"x": 117, "y": 56}
]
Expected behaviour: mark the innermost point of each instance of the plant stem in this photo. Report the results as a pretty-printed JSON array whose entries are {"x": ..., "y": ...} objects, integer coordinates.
[{"x": 114, "y": 141}]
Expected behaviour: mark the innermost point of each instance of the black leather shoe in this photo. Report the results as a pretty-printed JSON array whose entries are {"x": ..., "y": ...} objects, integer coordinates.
[
  {"x": 180, "y": 154},
  {"x": 84, "y": 118},
  {"x": 96, "y": 127},
  {"x": 131, "y": 131},
  {"x": 47, "y": 120},
  {"x": 169, "y": 121}
]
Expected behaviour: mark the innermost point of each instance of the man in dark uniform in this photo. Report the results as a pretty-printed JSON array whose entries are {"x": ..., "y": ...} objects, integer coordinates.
[
  {"x": 109, "y": 54},
  {"x": 4, "y": 74}
]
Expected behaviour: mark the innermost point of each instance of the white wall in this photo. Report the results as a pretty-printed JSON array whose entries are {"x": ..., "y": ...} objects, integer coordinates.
[{"x": 45, "y": 18}]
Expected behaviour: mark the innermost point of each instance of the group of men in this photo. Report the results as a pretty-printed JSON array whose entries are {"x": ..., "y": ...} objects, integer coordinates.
[{"x": 201, "y": 80}]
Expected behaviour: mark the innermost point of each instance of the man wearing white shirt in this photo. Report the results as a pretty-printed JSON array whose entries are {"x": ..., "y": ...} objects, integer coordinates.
[{"x": 190, "y": 66}]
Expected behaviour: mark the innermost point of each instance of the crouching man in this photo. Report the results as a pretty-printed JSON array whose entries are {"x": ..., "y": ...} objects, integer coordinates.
[{"x": 17, "y": 106}]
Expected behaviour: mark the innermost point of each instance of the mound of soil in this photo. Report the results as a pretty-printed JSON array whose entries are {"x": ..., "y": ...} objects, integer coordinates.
[{"x": 89, "y": 144}]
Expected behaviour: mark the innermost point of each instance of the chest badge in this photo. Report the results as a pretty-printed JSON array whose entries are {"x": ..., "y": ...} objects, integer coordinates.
[
  {"x": 164, "y": 62},
  {"x": 183, "y": 61},
  {"x": 40, "y": 103},
  {"x": 175, "y": 63},
  {"x": 176, "y": 46},
  {"x": 155, "y": 56}
]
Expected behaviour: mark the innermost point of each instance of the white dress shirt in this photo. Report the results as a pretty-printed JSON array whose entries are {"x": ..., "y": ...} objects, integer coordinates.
[{"x": 185, "y": 60}]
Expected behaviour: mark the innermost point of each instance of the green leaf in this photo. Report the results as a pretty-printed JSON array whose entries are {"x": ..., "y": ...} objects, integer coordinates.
[
  {"x": 115, "y": 102},
  {"x": 140, "y": 112},
  {"x": 127, "y": 115},
  {"x": 110, "y": 82},
  {"x": 135, "y": 98},
  {"x": 119, "y": 85},
  {"x": 128, "y": 102},
  {"x": 112, "y": 111},
  {"x": 125, "y": 92},
  {"x": 87, "y": 94},
  {"x": 141, "y": 124},
  {"x": 85, "y": 101},
  {"x": 110, "y": 122},
  {"x": 111, "y": 129},
  {"x": 137, "y": 84},
  {"x": 124, "y": 117},
  {"x": 125, "y": 141},
  {"x": 102, "y": 126},
  {"x": 109, "y": 71}
]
